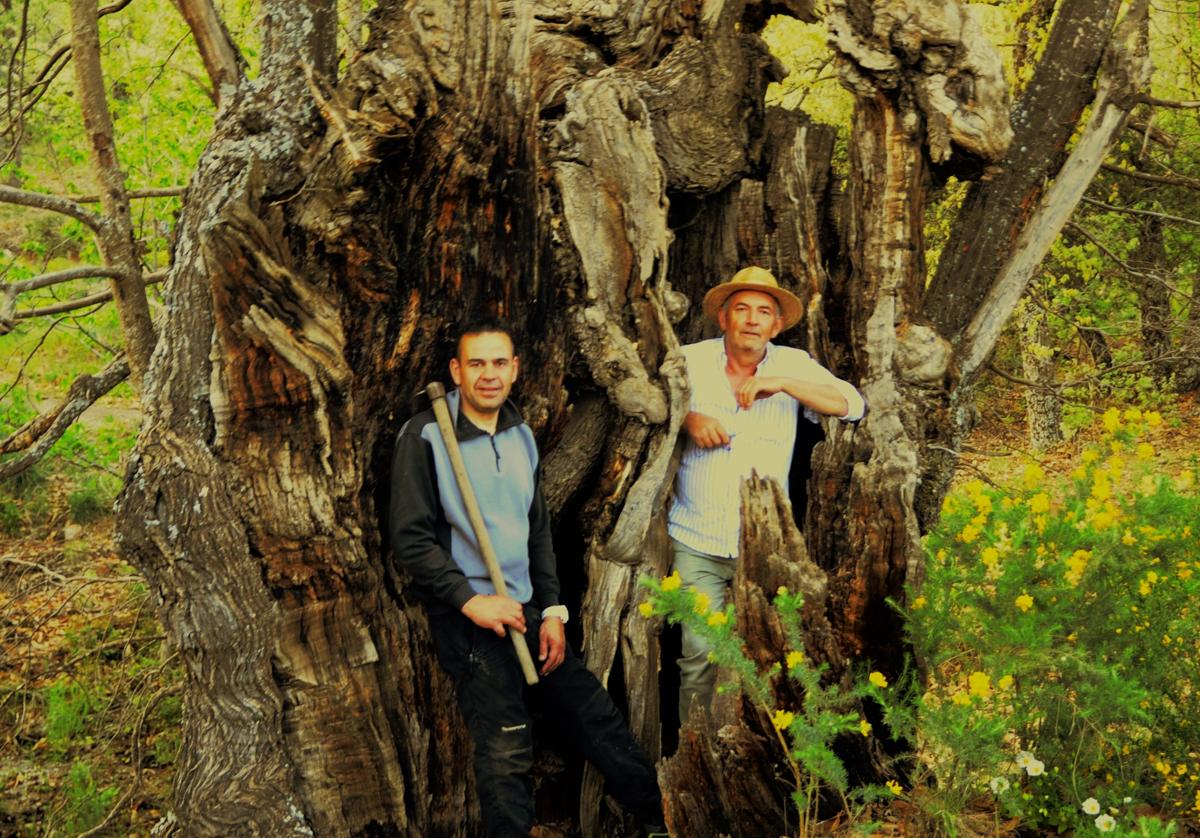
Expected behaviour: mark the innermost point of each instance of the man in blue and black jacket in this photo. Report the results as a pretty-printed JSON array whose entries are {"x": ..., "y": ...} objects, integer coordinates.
[{"x": 433, "y": 541}]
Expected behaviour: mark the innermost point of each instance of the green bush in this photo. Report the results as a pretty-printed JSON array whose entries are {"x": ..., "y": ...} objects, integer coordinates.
[
  {"x": 92, "y": 498},
  {"x": 1058, "y": 625},
  {"x": 68, "y": 705},
  {"x": 87, "y": 804}
]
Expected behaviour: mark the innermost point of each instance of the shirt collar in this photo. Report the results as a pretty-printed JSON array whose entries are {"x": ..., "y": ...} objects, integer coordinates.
[
  {"x": 725, "y": 358},
  {"x": 465, "y": 429}
]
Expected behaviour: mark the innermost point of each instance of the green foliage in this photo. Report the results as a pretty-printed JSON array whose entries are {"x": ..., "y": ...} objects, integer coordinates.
[
  {"x": 1058, "y": 622},
  {"x": 93, "y": 497},
  {"x": 68, "y": 705},
  {"x": 806, "y": 734},
  {"x": 87, "y": 804}
]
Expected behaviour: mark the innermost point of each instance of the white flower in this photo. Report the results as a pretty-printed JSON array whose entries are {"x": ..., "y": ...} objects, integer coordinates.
[
  {"x": 1128, "y": 800},
  {"x": 1091, "y": 806},
  {"x": 1035, "y": 768},
  {"x": 1024, "y": 758},
  {"x": 1105, "y": 823},
  {"x": 998, "y": 785}
]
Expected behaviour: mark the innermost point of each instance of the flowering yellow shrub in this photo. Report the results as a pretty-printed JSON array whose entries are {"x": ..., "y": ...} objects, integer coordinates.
[{"x": 1060, "y": 619}]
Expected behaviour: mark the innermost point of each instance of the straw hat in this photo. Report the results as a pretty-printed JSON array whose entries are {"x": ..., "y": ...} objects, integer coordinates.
[{"x": 754, "y": 279}]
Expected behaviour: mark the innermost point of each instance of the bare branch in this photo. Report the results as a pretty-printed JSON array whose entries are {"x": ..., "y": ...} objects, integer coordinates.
[
  {"x": 112, "y": 8},
  {"x": 65, "y": 275},
  {"x": 1147, "y": 99},
  {"x": 80, "y": 302},
  {"x": 164, "y": 192},
  {"x": 1166, "y": 180},
  {"x": 225, "y": 65},
  {"x": 1149, "y": 213},
  {"x": 51, "y": 203},
  {"x": 36, "y": 436}
]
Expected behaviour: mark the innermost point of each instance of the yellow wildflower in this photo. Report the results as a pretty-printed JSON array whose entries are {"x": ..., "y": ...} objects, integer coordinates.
[
  {"x": 646, "y": 609},
  {"x": 1032, "y": 476},
  {"x": 961, "y": 698},
  {"x": 794, "y": 659},
  {"x": 1039, "y": 503},
  {"x": 918, "y": 603},
  {"x": 1153, "y": 418},
  {"x": 672, "y": 582},
  {"x": 895, "y": 789},
  {"x": 990, "y": 556},
  {"x": 702, "y": 603},
  {"x": 1005, "y": 682},
  {"x": 717, "y": 618},
  {"x": 864, "y": 727},
  {"x": 969, "y": 533},
  {"x": 878, "y": 679},
  {"x": 1024, "y": 602},
  {"x": 1111, "y": 419},
  {"x": 1128, "y": 538},
  {"x": 1101, "y": 488},
  {"x": 782, "y": 719},
  {"x": 1132, "y": 414},
  {"x": 1090, "y": 455},
  {"x": 980, "y": 684},
  {"x": 1076, "y": 565},
  {"x": 1145, "y": 451}
]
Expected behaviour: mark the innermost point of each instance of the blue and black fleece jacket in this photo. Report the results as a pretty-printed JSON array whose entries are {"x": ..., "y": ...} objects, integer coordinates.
[{"x": 431, "y": 534}]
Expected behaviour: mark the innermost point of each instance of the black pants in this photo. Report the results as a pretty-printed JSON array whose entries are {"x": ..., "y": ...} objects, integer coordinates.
[{"x": 489, "y": 684}]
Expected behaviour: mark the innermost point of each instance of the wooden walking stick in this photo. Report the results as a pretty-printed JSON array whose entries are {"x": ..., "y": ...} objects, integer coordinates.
[{"x": 437, "y": 397}]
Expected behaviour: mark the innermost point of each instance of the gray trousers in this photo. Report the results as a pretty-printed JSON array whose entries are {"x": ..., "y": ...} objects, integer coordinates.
[{"x": 709, "y": 575}]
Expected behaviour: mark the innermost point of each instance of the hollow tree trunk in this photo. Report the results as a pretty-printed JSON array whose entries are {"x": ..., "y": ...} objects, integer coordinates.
[{"x": 587, "y": 171}]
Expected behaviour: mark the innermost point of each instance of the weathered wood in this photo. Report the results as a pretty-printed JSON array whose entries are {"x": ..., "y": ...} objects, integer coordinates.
[{"x": 725, "y": 777}]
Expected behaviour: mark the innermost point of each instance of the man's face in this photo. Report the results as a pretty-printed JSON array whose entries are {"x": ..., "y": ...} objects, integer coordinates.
[
  {"x": 749, "y": 319},
  {"x": 484, "y": 371}
]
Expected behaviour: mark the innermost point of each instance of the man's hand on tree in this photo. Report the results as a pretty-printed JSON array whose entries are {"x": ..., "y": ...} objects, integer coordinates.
[
  {"x": 704, "y": 430},
  {"x": 553, "y": 644},
  {"x": 492, "y": 611}
]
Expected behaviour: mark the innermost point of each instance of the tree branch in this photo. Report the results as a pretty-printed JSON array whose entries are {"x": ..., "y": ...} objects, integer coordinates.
[
  {"x": 1149, "y": 213},
  {"x": 163, "y": 192},
  {"x": 222, "y": 60},
  {"x": 1147, "y": 99},
  {"x": 51, "y": 203},
  {"x": 1126, "y": 70},
  {"x": 36, "y": 436},
  {"x": 65, "y": 275},
  {"x": 77, "y": 303},
  {"x": 1167, "y": 180}
]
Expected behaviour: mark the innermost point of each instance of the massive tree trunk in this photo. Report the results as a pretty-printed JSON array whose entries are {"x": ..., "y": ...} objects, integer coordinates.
[{"x": 587, "y": 171}]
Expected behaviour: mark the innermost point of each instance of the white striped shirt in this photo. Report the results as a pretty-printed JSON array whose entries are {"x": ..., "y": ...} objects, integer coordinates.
[{"x": 706, "y": 507}]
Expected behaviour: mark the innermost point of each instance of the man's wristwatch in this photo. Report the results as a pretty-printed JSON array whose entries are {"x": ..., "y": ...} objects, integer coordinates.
[{"x": 559, "y": 611}]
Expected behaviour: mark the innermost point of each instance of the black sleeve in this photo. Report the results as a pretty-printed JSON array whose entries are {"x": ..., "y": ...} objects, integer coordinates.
[
  {"x": 413, "y": 517},
  {"x": 543, "y": 567}
]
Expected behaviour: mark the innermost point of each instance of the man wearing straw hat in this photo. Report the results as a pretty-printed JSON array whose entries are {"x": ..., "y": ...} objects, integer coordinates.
[
  {"x": 747, "y": 396},
  {"x": 469, "y": 617}
]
